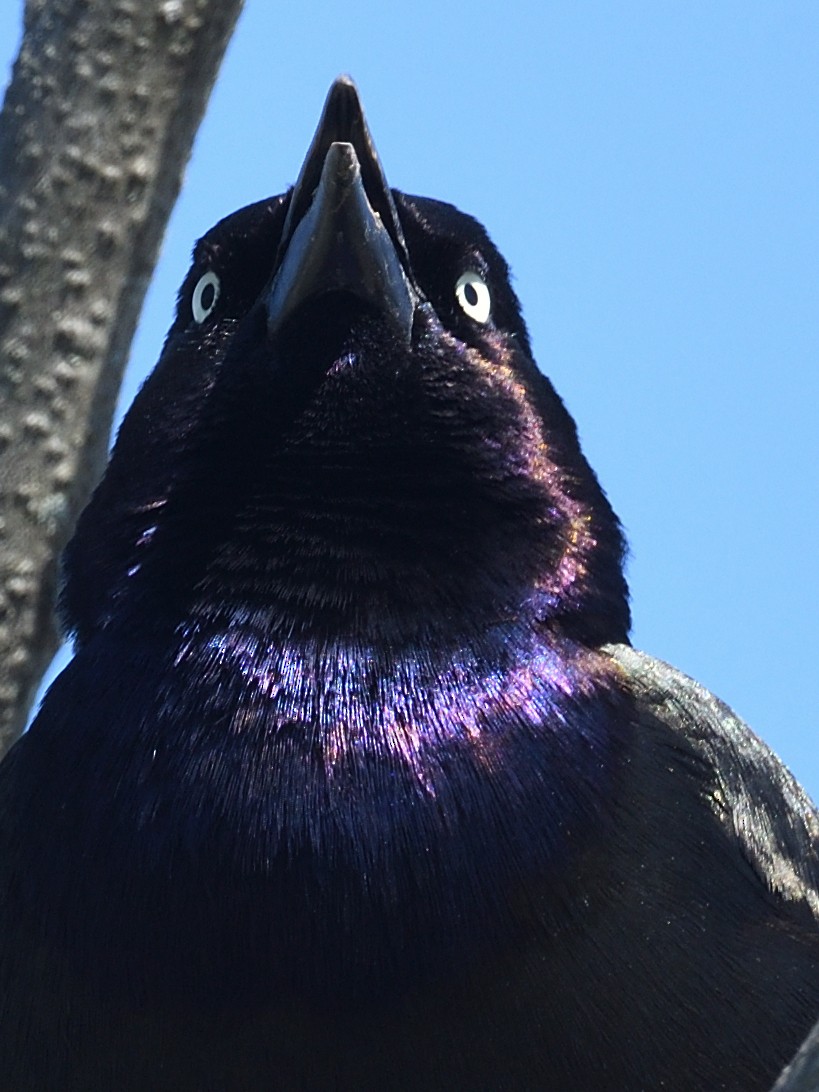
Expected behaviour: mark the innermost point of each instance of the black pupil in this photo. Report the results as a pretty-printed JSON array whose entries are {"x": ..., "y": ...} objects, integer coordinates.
[
  {"x": 470, "y": 294},
  {"x": 207, "y": 296}
]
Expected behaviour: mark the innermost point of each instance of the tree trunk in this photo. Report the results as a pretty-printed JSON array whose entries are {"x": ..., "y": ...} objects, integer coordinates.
[{"x": 95, "y": 131}]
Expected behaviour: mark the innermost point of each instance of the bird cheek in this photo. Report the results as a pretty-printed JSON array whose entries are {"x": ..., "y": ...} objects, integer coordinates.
[
  {"x": 462, "y": 335},
  {"x": 432, "y": 336},
  {"x": 426, "y": 324}
]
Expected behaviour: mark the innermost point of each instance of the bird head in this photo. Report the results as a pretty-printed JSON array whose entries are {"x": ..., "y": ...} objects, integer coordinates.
[{"x": 346, "y": 433}]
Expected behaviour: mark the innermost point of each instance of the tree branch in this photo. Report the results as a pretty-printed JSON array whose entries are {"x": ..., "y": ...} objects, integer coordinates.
[{"x": 96, "y": 128}]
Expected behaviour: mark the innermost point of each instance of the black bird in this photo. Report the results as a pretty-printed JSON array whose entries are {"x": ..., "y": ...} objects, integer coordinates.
[{"x": 354, "y": 781}]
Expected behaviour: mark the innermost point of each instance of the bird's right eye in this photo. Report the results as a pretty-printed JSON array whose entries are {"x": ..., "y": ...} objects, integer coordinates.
[{"x": 205, "y": 295}]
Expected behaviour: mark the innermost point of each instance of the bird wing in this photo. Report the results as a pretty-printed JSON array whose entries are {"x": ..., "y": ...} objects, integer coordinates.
[{"x": 753, "y": 794}]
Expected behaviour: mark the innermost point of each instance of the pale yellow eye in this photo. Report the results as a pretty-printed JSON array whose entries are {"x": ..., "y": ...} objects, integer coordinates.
[
  {"x": 205, "y": 295},
  {"x": 473, "y": 296}
]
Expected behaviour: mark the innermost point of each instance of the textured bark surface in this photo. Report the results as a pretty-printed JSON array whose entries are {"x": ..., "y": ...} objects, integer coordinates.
[{"x": 96, "y": 128}]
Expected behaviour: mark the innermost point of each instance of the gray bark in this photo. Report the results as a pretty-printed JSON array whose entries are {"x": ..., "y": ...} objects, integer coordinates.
[{"x": 95, "y": 131}]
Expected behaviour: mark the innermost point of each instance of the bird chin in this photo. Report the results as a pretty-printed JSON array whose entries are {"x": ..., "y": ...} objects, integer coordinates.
[{"x": 328, "y": 333}]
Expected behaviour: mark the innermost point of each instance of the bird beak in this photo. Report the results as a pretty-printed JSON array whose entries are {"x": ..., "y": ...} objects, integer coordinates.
[{"x": 342, "y": 232}]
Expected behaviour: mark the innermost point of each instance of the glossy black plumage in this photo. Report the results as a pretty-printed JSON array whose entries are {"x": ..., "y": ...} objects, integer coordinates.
[{"x": 354, "y": 781}]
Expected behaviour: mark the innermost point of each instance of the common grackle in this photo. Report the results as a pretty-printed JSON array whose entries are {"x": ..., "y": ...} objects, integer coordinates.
[{"x": 354, "y": 781}]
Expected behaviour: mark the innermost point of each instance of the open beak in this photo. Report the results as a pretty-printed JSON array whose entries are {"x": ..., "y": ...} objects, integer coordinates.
[{"x": 342, "y": 232}]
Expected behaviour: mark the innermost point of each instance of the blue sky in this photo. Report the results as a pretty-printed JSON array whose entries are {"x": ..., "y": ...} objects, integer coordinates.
[{"x": 651, "y": 172}]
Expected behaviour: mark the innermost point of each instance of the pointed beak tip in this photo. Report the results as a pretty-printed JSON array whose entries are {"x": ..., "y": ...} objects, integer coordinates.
[
  {"x": 344, "y": 86},
  {"x": 344, "y": 80}
]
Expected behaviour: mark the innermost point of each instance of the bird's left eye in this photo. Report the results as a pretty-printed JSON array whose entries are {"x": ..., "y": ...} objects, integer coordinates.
[
  {"x": 205, "y": 295},
  {"x": 473, "y": 296}
]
